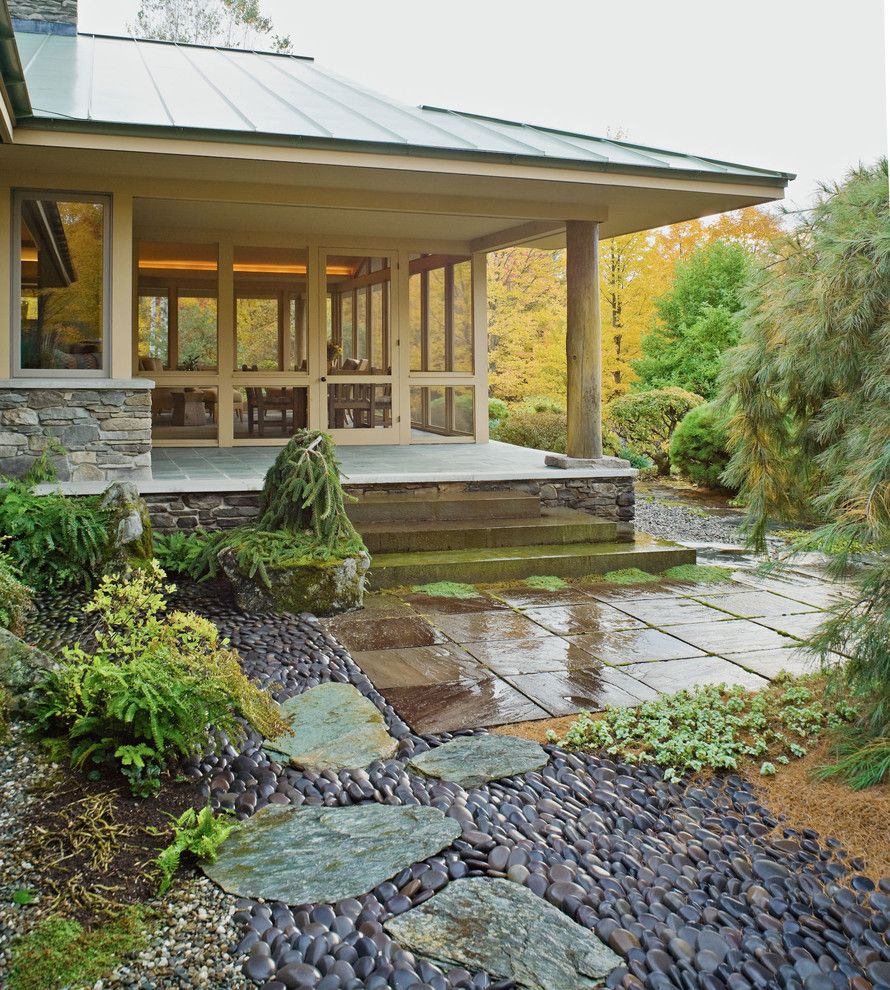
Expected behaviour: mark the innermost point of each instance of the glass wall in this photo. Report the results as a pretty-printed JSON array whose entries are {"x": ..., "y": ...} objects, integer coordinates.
[
  {"x": 177, "y": 307},
  {"x": 267, "y": 412},
  {"x": 358, "y": 315},
  {"x": 442, "y": 410},
  {"x": 441, "y": 313},
  {"x": 63, "y": 262},
  {"x": 270, "y": 310}
]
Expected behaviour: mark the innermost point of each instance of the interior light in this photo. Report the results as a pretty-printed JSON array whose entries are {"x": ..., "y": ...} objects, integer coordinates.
[
  {"x": 29, "y": 253},
  {"x": 186, "y": 265}
]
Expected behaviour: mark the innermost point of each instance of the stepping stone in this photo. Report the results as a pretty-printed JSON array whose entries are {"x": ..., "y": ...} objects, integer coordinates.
[
  {"x": 505, "y": 930},
  {"x": 334, "y": 728},
  {"x": 310, "y": 855},
  {"x": 472, "y": 761}
]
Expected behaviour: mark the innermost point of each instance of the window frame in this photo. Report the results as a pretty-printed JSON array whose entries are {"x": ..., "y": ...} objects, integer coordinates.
[{"x": 65, "y": 196}]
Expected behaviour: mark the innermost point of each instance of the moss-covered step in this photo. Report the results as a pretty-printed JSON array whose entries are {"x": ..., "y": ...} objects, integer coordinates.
[
  {"x": 444, "y": 507},
  {"x": 551, "y": 527},
  {"x": 485, "y": 565}
]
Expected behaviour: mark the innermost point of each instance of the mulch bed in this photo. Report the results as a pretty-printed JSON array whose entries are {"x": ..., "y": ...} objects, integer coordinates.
[{"x": 91, "y": 843}]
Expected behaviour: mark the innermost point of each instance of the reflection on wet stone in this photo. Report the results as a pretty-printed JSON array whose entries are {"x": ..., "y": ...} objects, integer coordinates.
[
  {"x": 358, "y": 633},
  {"x": 531, "y": 656},
  {"x": 309, "y": 854},
  {"x": 590, "y": 617},
  {"x": 419, "y": 666},
  {"x": 503, "y": 929},
  {"x": 633, "y": 645},
  {"x": 474, "y": 760},
  {"x": 481, "y": 626},
  {"x": 678, "y": 675},
  {"x": 565, "y": 692}
]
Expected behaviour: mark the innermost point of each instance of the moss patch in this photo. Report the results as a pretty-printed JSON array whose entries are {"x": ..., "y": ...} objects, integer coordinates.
[
  {"x": 546, "y": 583},
  {"x": 59, "y": 952},
  {"x": 446, "y": 589},
  {"x": 629, "y": 575},
  {"x": 699, "y": 574}
]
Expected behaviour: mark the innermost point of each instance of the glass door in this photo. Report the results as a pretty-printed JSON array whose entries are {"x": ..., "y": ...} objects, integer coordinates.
[{"x": 358, "y": 382}]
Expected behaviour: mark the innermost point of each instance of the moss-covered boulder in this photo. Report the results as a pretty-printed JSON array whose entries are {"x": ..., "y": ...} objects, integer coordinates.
[
  {"x": 323, "y": 587},
  {"x": 22, "y": 668},
  {"x": 130, "y": 527}
]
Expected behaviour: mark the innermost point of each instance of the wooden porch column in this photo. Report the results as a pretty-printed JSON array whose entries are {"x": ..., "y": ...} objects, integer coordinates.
[{"x": 583, "y": 340}]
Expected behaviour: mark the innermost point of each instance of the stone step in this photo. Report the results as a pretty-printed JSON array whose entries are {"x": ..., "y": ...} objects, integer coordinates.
[
  {"x": 553, "y": 526},
  {"x": 443, "y": 507},
  {"x": 491, "y": 565}
]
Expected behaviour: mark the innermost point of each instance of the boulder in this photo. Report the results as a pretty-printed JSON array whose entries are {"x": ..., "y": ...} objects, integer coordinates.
[
  {"x": 131, "y": 544},
  {"x": 323, "y": 587},
  {"x": 22, "y": 668}
]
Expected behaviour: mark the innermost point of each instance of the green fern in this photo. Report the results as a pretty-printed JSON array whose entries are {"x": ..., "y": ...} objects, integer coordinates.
[{"x": 199, "y": 833}]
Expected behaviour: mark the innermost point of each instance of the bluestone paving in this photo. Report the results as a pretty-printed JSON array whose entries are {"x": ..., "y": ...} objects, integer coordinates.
[
  {"x": 567, "y": 620},
  {"x": 531, "y": 656},
  {"x": 732, "y": 636},
  {"x": 479, "y": 626},
  {"x": 631, "y": 645},
  {"x": 678, "y": 675},
  {"x": 591, "y": 689}
]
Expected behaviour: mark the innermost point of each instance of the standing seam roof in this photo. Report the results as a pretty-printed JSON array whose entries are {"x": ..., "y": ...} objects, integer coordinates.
[{"x": 117, "y": 83}]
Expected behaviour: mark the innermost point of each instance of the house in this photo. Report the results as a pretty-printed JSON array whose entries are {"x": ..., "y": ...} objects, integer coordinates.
[{"x": 208, "y": 248}]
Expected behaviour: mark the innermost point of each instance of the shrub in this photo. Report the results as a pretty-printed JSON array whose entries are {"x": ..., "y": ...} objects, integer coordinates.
[
  {"x": 647, "y": 420},
  {"x": 538, "y": 430},
  {"x": 199, "y": 833},
  {"x": 538, "y": 404},
  {"x": 699, "y": 446},
  {"x": 153, "y": 686},
  {"x": 497, "y": 410},
  {"x": 15, "y": 597},
  {"x": 712, "y": 727},
  {"x": 53, "y": 541}
]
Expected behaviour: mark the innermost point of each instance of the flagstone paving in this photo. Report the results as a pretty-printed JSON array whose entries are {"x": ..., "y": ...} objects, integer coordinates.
[
  {"x": 311, "y": 854},
  {"x": 335, "y": 728},
  {"x": 503, "y": 929},
  {"x": 474, "y": 760},
  {"x": 516, "y": 652}
]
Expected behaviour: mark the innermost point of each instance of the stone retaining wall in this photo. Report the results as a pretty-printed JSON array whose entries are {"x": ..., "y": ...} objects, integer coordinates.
[
  {"x": 104, "y": 429},
  {"x": 610, "y": 498}
]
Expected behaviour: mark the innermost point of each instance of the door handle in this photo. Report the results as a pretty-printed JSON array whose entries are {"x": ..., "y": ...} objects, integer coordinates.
[{"x": 322, "y": 379}]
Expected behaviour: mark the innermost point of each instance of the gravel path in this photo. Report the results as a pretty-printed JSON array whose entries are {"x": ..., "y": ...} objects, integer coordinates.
[
  {"x": 685, "y": 524},
  {"x": 691, "y": 885}
]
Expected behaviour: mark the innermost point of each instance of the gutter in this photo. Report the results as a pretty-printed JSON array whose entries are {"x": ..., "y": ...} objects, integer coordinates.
[
  {"x": 763, "y": 177},
  {"x": 13, "y": 90}
]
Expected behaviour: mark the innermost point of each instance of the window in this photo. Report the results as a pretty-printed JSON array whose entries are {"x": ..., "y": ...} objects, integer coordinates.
[
  {"x": 176, "y": 312},
  {"x": 270, "y": 309},
  {"x": 441, "y": 313},
  {"x": 358, "y": 291},
  {"x": 62, "y": 295}
]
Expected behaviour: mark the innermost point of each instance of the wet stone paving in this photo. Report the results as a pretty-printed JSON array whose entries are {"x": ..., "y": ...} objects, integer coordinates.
[{"x": 691, "y": 885}]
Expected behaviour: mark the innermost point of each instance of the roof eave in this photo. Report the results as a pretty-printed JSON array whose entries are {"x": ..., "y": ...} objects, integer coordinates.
[
  {"x": 773, "y": 180},
  {"x": 11, "y": 73}
]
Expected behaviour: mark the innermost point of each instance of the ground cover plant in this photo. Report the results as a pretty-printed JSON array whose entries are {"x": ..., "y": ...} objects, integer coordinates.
[
  {"x": 446, "y": 589},
  {"x": 809, "y": 386},
  {"x": 150, "y": 687},
  {"x": 60, "y": 952},
  {"x": 715, "y": 727}
]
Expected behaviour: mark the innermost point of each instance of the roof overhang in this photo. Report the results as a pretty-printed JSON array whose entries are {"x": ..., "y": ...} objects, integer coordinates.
[{"x": 14, "y": 101}]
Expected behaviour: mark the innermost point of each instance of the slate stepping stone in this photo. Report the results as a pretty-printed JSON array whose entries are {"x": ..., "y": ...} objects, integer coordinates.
[
  {"x": 505, "y": 930},
  {"x": 334, "y": 728},
  {"x": 472, "y": 761},
  {"x": 313, "y": 854}
]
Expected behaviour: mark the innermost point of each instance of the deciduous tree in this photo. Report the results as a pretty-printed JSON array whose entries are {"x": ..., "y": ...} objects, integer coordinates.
[{"x": 231, "y": 23}]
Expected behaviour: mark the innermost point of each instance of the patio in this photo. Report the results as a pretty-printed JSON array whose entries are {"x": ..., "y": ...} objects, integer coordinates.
[{"x": 214, "y": 469}]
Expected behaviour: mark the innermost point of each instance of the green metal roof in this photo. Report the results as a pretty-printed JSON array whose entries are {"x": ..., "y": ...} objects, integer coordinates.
[{"x": 128, "y": 85}]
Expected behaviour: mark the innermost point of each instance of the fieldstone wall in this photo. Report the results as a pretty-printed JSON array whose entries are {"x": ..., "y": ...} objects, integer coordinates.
[
  {"x": 104, "y": 431},
  {"x": 609, "y": 498},
  {"x": 50, "y": 11}
]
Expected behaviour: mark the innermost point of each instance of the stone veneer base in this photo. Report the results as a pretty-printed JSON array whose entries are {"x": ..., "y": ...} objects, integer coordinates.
[
  {"x": 103, "y": 426},
  {"x": 606, "y": 497}
]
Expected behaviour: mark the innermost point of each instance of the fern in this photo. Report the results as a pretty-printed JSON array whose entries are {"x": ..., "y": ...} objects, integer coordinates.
[
  {"x": 199, "y": 833},
  {"x": 15, "y": 597},
  {"x": 153, "y": 686}
]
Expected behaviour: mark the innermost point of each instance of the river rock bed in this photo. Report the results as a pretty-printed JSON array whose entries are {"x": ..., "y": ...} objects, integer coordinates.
[{"x": 692, "y": 885}]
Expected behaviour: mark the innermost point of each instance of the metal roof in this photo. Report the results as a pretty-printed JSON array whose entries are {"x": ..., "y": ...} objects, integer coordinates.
[{"x": 131, "y": 85}]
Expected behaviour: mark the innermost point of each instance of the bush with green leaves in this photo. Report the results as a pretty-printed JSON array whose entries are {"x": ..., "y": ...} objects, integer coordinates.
[
  {"x": 15, "y": 596},
  {"x": 537, "y": 430},
  {"x": 154, "y": 685},
  {"x": 498, "y": 410},
  {"x": 54, "y": 541},
  {"x": 647, "y": 420},
  {"x": 699, "y": 448},
  {"x": 697, "y": 320},
  {"x": 809, "y": 385},
  {"x": 714, "y": 727},
  {"x": 198, "y": 833}
]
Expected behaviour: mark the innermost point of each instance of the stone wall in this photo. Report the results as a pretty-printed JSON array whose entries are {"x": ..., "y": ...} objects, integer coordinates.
[
  {"x": 609, "y": 498},
  {"x": 104, "y": 429},
  {"x": 48, "y": 11}
]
